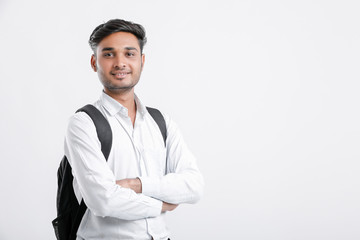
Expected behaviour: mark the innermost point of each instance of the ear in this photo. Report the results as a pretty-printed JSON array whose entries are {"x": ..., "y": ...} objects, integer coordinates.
[
  {"x": 142, "y": 61},
  {"x": 93, "y": 62}
]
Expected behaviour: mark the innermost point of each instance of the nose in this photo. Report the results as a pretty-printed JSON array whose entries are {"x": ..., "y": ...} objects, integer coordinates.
[{"x": 120, "y": 62}]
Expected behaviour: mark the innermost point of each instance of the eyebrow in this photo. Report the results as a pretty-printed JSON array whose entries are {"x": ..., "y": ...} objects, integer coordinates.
[
  {"x": 107, "y": 49},
  {"x": 112, "y": 49},
  {"x": 131, "y": 48}
]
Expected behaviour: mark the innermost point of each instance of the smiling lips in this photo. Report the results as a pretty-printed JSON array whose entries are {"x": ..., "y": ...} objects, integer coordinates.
[{"x": 121, "y": 74}]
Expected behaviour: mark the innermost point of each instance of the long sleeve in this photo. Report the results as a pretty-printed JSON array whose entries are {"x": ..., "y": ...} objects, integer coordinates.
[
  {"x": 96, "y": 182},
  {"x": 183, "y": 182}
]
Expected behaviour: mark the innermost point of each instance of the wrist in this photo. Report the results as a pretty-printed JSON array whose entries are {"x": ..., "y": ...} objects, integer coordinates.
[{"x": 138, "y": 185}]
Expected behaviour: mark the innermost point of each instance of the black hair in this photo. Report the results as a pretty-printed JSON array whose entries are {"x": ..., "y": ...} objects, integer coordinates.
[{"x": 117, "y": 25}]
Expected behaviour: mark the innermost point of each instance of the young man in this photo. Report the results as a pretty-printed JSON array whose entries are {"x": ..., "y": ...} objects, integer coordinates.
[{"x": 127, "y": 195}]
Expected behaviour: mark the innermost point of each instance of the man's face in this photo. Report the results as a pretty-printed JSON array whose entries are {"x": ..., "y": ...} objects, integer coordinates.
[{"x": 118, "y": 62}]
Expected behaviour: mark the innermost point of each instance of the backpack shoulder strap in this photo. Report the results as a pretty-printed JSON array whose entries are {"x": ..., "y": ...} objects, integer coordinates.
[
  {"x": 104, "y": 133},
  {"x": 102, "y": 126},
  {"x": 159, "y": 119}
]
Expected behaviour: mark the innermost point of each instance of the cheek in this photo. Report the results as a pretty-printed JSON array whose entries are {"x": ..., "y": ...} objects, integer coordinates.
[
  {"x": 139, "y": 66},
  {"x": 103, "y": 66},
  {"x": 100, "y": 70}
]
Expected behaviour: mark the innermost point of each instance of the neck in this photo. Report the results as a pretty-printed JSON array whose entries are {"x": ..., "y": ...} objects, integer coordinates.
[{"x": 127, "y": 99}]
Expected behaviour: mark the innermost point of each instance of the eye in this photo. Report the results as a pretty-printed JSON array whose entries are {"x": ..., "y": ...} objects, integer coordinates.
[
  {"x": 109, "y": 54},
  {"x": 130, "y": 54}
]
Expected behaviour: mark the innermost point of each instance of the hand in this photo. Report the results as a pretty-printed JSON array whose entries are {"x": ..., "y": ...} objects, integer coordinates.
[
  {"x": 132, "y": 183},
  {"x": 168, "y": 207}
]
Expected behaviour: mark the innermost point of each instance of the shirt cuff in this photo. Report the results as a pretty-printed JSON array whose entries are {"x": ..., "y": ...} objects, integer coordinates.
[
  {"x": 150, "y": 186},
  {"x": 155, "y": 207}
]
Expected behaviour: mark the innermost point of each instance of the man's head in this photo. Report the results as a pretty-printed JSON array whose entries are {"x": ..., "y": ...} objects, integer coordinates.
[
  {"x": 118, "y": 58},
  {"x": 117, "y": 25}
]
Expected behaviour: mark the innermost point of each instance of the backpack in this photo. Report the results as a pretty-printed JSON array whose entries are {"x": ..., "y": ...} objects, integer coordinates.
[{"x": 69, "y": 211}]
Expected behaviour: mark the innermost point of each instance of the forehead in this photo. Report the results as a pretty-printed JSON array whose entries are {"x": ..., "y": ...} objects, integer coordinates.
[{"x": 119, "y": 40}]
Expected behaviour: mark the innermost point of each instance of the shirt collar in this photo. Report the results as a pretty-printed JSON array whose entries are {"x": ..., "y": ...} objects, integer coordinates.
[
  {"x": 140, "y": 107},
  {"x": 114, "y": 107}
]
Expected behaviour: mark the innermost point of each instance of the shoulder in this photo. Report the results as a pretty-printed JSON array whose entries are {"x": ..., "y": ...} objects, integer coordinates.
[
  {"x": 168, "y": 120},
  {"x": 172, "y": 127},
  {"x": 79, "y": 118},
  {"x": 82, "y": 118},
  {"x": 80, "y": 122}
]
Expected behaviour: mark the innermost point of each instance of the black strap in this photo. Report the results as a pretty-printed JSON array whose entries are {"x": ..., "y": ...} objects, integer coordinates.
[
  {"x": 102, "y": 126},
  {"x": 104, "y": 133},
  {"x": 159, "y": 119}
]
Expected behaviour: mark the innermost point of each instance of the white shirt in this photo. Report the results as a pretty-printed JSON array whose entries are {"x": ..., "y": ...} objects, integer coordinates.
[{"x": 115, "y": 212}]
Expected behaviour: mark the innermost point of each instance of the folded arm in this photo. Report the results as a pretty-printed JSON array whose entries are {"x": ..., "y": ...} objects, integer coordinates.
[
  {"x": 96, "y": 182},
  {"x": 136, "y": 186},
  {"x": 183, "y": 182}
]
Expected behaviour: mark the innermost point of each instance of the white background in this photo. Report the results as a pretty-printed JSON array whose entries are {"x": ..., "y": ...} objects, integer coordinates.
[{"x": 265, "y": 92}]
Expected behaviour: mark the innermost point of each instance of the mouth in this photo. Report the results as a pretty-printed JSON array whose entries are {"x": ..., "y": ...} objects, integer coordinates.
[{"x": 120, "y": 75}]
